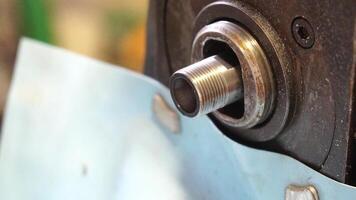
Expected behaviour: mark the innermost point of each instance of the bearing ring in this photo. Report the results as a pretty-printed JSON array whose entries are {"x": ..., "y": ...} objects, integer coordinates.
[{"x": 258, "y": 84}]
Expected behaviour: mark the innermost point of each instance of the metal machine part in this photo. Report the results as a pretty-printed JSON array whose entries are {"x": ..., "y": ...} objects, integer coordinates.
[
  {"x": 240, "y": 49},
  {"x": 310, "y": 49},
  {"x": 205, "y": 86}
]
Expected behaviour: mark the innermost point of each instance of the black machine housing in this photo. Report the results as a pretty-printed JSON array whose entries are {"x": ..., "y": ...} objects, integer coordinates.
[{"x": 318, "y": 39}]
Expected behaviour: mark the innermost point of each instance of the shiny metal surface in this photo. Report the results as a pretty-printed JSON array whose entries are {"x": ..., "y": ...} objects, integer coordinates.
[
  {"x": 294, "y": 192},
  {"x": 257, "y": 78},
  {"x": 205, "y": 86},
  {"x": 165, "y": 115}
]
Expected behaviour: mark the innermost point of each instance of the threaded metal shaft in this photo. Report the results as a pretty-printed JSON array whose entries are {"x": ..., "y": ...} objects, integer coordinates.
[{"x": 205, "y": 86}]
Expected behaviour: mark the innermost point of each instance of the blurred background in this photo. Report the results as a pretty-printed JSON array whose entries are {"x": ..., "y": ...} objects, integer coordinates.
[{"x": 108, "y": 30}]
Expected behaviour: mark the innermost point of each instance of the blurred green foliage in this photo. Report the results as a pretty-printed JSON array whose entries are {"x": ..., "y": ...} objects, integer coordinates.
[{"x": 35, "y": 19}]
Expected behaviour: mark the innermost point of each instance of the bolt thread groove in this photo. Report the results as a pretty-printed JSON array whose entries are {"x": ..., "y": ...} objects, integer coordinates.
[{"x": 210, "y": 79}]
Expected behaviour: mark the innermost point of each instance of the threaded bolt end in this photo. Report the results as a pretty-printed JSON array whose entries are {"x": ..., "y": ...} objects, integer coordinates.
[{"x": 205, "y": 86}]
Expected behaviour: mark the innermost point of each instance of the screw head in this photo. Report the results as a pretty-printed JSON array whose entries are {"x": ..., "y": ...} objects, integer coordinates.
[{"x": 303, "y": 32}]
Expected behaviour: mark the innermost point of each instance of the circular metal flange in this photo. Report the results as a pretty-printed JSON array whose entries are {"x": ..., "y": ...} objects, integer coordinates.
[
  {"x": 256, "y": 73},
  {"x": 278, "y": 57}
]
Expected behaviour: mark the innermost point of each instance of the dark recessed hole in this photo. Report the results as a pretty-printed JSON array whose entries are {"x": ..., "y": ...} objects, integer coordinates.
[
  {"x": 214, "y": 47},
  {"x": 235, "y": 110},
  {"x": 184, "y": 95},
  {"x": 303, "y": 32}
]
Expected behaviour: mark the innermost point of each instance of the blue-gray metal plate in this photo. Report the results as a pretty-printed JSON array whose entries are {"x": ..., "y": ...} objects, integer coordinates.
[{"x": 76, "y": 128}]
